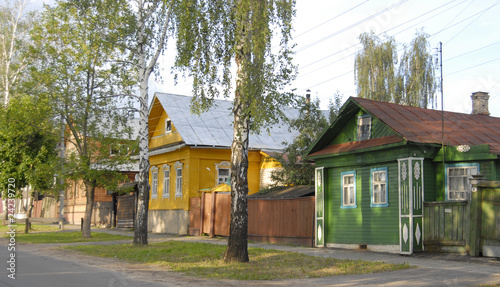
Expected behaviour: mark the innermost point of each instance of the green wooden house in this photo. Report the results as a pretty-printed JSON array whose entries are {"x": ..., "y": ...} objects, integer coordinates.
[{"x": 379, "y": 162}]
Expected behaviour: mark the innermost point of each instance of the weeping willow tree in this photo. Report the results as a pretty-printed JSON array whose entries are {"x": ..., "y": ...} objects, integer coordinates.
[
  {"x": 416, "y": 84},
  {"x": 213, "y": 36},
  {"x": 378, "y": 76},
  {"x": 374, "y": 68}
]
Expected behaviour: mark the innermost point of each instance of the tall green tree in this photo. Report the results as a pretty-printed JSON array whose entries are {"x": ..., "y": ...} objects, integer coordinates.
[
  {"x": 378, "y": 76},
  {"x": 28, "y": 150},
  {"x": 148, "y": 26},
  {"x": 310, "y": 123},
  {"x": 77, "y": 44},
  {"x": 15, "y": 24},
  {"x": 14, "y": 30},
  {"x": 416, "y": 85},
  {"x": 374, "y": 67},
  {"x": 211, "y": 36}
]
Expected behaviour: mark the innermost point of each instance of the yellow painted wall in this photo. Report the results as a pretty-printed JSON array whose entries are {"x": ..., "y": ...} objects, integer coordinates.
[
  {"x": 199, "y": 172},
  {"x": 199, "y": 164},
  {"x": 160, "y": 137}
]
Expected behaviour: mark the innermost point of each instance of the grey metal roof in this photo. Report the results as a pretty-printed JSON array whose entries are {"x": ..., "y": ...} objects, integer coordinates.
[{"x": 215, "y": 127}]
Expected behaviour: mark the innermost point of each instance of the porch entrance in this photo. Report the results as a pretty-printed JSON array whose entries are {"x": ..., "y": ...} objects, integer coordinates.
[{"x": 411, "y": 198}]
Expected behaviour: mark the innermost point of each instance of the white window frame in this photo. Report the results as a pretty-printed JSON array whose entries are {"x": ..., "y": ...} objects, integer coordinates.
[
  {"x": 168, "y": 125},
  {"x": 364, "y": 133},
  {"x": 379, "y": 188},
  {"x": 178, "y": 179},
  {"x": 166, "y": 181},
  {"x": 219, "y": 166},
  {"x": 470, "y": 169},
  {"x": 154, "y": 182},
  {"x": 349, "y": 189}
]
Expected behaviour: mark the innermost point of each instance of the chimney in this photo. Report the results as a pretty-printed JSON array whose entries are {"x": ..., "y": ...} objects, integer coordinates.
[
  {"x": 308, "y": 102},
  {"x": 480, "y": 103}
]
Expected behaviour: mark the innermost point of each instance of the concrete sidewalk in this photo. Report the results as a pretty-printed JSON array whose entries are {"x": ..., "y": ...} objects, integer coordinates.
[{"x": 434, "y": 269}]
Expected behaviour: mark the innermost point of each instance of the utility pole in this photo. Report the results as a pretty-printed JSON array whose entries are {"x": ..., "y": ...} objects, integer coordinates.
[
  {"x": 442, "y": 109},
  {"x": 61, "y": 180}
]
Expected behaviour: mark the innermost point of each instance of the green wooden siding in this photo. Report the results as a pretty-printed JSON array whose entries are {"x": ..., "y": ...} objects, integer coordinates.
[
  {"x": 364, "y": 224},
  {"x": 348, "y": 133}
]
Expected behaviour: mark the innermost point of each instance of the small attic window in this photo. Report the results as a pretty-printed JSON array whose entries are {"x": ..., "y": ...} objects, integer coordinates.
[
  {"x": 168, "y": 126},
  {"x": 364, "y": 127}
]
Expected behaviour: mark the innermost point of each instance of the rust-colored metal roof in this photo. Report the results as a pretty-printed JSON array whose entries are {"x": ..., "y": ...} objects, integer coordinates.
[
  {"x": 358, "y": 145},
  {"x": 285, "y": 192},
  {"x": 424, "y": 125}
]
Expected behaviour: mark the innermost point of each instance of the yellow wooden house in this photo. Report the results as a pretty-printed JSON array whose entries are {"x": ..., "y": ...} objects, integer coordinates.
[{"x": 189, "y": 153}]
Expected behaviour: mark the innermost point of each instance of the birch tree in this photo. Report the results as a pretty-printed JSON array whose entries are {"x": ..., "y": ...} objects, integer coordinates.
[
  {"x": 15, "y": 25},
  {"x": 416, "y": 85},
  {"x": 374, "y": 68},
  {"x": 149, "y": 26},
  {"x": 379, "y": 77},
  {"x": 78, "y": 46},
  {"x": 211, "y": 37}
]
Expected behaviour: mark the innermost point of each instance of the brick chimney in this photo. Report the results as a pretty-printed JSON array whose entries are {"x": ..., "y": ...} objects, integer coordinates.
[{"x": 480, "y": 103}]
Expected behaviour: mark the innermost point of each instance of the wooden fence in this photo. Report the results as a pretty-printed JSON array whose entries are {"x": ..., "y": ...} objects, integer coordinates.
[
  {"x": 446, "y": 226},
  {"x": 471, "y": 227},
  {"x": 269, "y": 220},
  {"x": 487, "y": 223}
]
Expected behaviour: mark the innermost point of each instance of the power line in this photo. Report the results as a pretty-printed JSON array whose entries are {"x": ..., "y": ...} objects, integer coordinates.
[
  {"x": 331, "y": 19},
  {"x": 468, "y": 68},
  {"x": 455, "y": 17},
  {"x": 484, "y": 11},
  {"x": 466, "y": 53},
  {"x": 357, "y": 44},
  {"x": 351, "y": 26},
  {"x": 446, "y": 28}
]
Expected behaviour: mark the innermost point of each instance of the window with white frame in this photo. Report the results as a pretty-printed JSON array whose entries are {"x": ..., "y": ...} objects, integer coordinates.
[
  {"x": 178, "y": 179},
  {"x": 379, "y": 187},
  {"x": 223, "y": 170},
  {"x": 168, "y": 126},
  {"x": 154, "y": 183},
  {"x": 458, "y": 185},
  {"x": 364, "y": 127},
  {"x": 166, "y": 181},
  {"x": 348, "y": 189}
]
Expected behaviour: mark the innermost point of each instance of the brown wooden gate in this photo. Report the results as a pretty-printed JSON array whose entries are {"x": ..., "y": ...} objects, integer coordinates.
[
  {"x": 125, "y": 213},
  {"x": 270, "y": 220}
]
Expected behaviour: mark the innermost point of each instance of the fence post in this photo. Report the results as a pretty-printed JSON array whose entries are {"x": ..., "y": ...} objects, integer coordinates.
[
  {"x": 476, "y": 213},
  {"x": 212, "y": 215},
  {"x": 202, "y": 211}
]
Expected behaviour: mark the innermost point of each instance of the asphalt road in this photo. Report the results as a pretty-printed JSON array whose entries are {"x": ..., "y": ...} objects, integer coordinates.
[
  {"x": 37, "y": 270},
  {"x": 45, "y": 265}
]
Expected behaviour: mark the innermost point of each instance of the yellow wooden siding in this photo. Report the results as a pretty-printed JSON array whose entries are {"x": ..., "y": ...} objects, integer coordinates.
[
  {"x": 199, "y": 172},
  {"x": 160, "y": 137}
]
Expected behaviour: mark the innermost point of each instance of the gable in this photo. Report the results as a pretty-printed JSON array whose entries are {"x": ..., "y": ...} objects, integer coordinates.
[
  {"x": 342, "y": 135},
  {"x": 214, "y": 127},
  {"x": 158, "y": 134}
]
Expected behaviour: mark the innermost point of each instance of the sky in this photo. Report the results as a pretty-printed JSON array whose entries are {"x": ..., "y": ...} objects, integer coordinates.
[{"x": 326, "y": 34}]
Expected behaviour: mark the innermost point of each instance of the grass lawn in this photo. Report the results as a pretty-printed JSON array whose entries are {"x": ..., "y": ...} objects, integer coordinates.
[
  {"x": 65, "y": 237},
  {"x": 205, "y": 260},
  {"x": 34, "y": 228}
]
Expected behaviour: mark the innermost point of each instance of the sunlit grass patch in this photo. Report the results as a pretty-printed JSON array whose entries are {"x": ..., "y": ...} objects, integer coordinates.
[
  {"x": 205, "y": 260},
  {"x": 34, "y": 228},
  {"x": 65, "y": 237}
]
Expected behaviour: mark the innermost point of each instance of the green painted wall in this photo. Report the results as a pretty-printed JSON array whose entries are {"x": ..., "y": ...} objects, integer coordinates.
[
  {"x": 348, "y": 132},
  {"x": 363, "y": 224}
]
